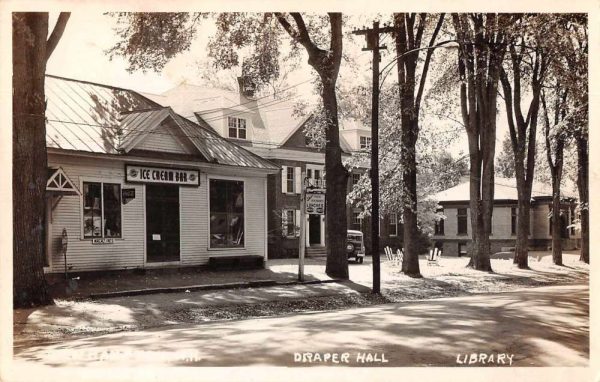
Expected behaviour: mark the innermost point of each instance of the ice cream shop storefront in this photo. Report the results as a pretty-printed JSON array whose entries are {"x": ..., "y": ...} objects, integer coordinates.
[{"x": 172, "y": 193}]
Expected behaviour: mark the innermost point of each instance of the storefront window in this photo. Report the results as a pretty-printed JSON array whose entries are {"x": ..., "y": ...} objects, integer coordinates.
[
  {"x": 226, "y": 213},
  {"x": 101, "y": 210}
]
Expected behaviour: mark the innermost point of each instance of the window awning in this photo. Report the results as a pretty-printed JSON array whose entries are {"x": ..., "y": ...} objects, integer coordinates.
[{"x": 59, "y": 183}]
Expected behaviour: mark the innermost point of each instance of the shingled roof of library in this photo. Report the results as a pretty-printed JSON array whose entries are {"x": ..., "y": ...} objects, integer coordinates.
[{"x": 91, "y": 117}]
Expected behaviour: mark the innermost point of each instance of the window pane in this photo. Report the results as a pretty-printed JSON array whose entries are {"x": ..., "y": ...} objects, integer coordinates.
[
  {"x": 242, "y": 133},
  {"x": 112, "y": 210},
  {"x": 232, "y": 132},
  {"x": 290, "y": 179},
  {"x": 462, "y": 220},
  {"x": 92, "y": 212},
  {"x": 291, "y": 226},
  {"x": 226, "y": 213}
]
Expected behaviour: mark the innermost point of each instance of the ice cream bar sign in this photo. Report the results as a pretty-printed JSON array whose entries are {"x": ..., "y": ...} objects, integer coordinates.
[{"x": 143, "y": 174}]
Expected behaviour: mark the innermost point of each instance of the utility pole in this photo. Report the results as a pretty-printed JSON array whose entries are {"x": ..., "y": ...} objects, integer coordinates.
[
  {"x": 372, "y": 37},
  {"x": 302, "y": 246}
]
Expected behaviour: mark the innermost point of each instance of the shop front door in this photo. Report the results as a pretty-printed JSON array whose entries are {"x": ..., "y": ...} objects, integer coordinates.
[
  {"x": 314, "y": 230},
  {"x": 162, "y": 223}
]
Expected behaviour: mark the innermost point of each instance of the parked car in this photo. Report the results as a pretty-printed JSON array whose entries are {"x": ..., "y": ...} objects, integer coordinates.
[{"x": 355, "y": 246}]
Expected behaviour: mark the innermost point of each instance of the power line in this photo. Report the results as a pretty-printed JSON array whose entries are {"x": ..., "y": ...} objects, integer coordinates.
[
  {"x": 233, "y": 113},
  {"x": 268, "y": 95}
]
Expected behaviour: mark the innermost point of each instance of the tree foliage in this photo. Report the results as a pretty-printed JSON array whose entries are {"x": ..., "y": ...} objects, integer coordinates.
[
  {"x": 148, "y": 40},
  {"x": 505, "y": 163}
]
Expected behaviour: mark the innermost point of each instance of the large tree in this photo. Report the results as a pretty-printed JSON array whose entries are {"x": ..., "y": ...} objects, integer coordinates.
[
  {"x": 410, "y": 29},
  {"x": 31, "y": 49},
  {"x": 526, "y": 70},
  {"x": 573, "y": 70},
  {"x": 149, "y": 40},
  {"x": 481, "y": 48},
  {"x": 556, "y": 136},
  {"x": 565, "y": 118}
]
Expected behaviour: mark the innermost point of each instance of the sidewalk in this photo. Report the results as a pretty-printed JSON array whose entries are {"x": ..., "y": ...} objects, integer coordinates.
[
  {"x": 84, "y": 285},
  {"x": 72, "y": 318}
]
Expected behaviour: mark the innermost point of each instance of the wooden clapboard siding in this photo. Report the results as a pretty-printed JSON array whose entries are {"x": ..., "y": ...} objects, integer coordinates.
[
  {"x": 165, "y": 139},
  {"x": 193, "y": 231},
  {"x": 126, "y": 252}
]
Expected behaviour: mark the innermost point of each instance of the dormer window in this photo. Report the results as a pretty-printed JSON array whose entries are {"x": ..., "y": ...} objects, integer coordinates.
[
  {"x": 237, "y": 127},
  {"x": 365, "y": 142}
]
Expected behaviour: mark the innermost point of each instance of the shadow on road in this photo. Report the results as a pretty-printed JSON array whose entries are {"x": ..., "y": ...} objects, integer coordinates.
[{"x": 541, "y": 327}]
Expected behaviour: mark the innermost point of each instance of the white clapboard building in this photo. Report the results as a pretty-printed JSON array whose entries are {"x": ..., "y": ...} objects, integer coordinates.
[{"x": 135, "y": 185}]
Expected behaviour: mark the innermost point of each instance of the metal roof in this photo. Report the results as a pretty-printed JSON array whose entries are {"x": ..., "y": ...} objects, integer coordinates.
[
  {"x": 504, "y": 189},
  {"x": 96, "y": 118}
]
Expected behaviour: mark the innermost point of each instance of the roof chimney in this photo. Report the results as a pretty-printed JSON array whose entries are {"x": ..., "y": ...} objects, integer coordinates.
[{"x": 247, "y": 86}]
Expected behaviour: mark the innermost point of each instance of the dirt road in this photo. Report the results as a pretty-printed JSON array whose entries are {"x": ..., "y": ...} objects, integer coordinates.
[{"x": 545, "y": 326}]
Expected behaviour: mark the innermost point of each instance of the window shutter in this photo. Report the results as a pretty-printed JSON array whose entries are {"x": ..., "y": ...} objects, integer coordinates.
[
  {"x": 284, "y": 222},
  {"x": 297, "y": 180},
  {"x": 284, "y": 179},
  {"x": 298, "y": 222}
]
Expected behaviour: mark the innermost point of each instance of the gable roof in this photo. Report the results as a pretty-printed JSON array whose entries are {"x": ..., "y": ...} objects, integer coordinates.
[
  {"x": 504, "y": 189},
  {"x": 85, "y": 116},
  {"x": 272, "y": 118}
]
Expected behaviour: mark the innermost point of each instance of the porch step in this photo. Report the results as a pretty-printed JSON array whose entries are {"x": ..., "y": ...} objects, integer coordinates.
[{"x": 316, "y": 251}]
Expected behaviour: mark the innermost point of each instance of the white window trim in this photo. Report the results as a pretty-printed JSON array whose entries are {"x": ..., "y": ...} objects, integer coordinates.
[
  {"x": 287, "y": 188},
  {"x": 84, "y": 179},
  {"x": 223, "y": 177},
  {"x": 359, "y": 219},
  {"x": 367, "y": 144},
  {"x": 237, "y": 127}
]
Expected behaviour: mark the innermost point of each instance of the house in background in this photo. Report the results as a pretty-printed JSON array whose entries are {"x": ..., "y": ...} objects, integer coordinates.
[
  {"x": 453, "y": 233},
  {"x": 133, "y": 184},
  {"x": 268, "y": 127}
]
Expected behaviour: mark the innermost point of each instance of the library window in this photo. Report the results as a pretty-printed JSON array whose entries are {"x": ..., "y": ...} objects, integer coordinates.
[{"x": 461, "y": 222}]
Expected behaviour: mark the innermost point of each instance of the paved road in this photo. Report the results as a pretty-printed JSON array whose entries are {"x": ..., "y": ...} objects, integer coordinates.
[{"x": 546, "y": 326}]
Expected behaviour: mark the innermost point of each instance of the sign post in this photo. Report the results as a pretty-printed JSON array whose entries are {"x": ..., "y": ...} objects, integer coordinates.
[
  {"x": 312, "y": 202},
  {"x": 302, "y": 246}
]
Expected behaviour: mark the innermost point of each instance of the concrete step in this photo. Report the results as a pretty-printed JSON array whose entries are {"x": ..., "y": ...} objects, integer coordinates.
[{"x": 316, "y": 251}]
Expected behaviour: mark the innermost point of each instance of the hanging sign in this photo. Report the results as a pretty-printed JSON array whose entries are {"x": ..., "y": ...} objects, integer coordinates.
[
  {"x": 315, "y": 203},
  {"x": 144, "y": 174},
  {"x": 127, "y": 195}
]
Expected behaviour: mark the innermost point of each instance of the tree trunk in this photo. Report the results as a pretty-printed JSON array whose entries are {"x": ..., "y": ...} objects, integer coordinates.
[
  {"x": 582, "y": 186},
  {"x": 522, "y": 244},
  {"x": 556, "y": 223},
  {"x": 410, "y": 263},
  {"x": 556, "y": 171},
  {"x": 29, "y": 159},
  {"x": 336, "y": 181},
  {"x": 481, "y": 51}
]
